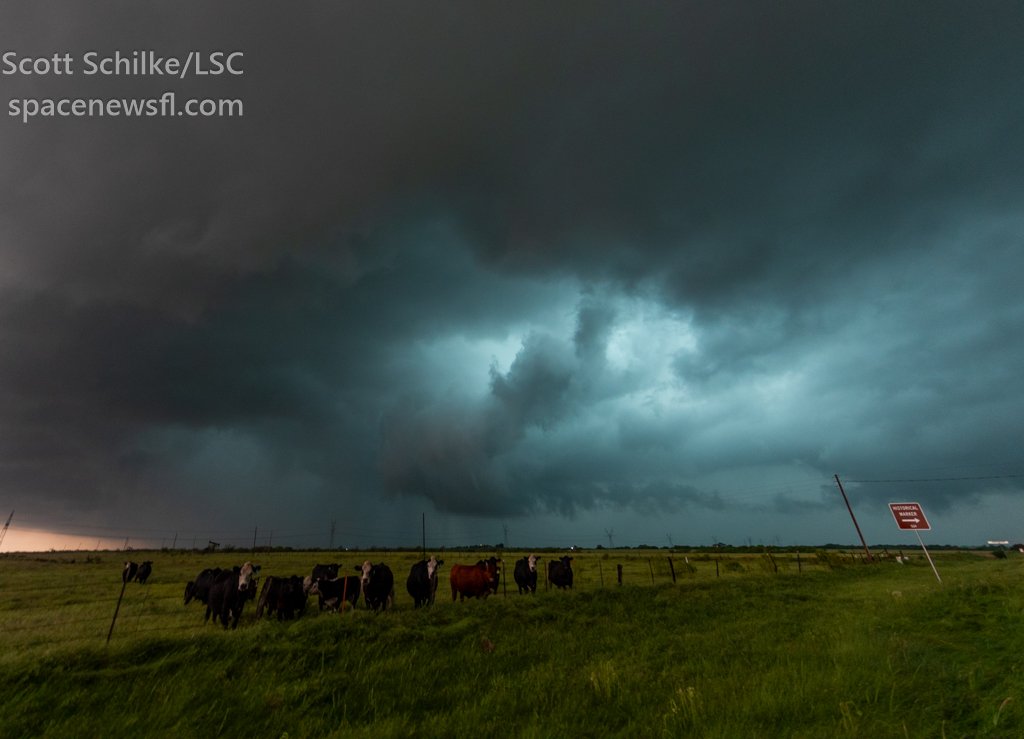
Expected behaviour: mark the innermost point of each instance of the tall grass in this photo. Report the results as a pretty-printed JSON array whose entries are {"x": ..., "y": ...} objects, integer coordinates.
[{"x": 848, "y": 651}]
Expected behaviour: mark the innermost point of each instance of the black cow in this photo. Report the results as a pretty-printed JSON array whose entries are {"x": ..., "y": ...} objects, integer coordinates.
[
  {"x": 145, "y": 570},
  {"x": 325, "y": 572},
  {"x": 526, "y": 574},
  {"x": 284, "y": 595},
  {"x": 560, "y": 572},
  {"x": 199, "y": 589},
  {"x": 331, "y": 593},
  {"x": 378, "y": 585},
  {"x": 228, "y": 593},
  {"x": 422, "y": 581},
  {"x": 129, "y": 571}
]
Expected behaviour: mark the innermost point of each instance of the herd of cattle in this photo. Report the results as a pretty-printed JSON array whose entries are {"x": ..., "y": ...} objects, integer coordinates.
[{"x": 224, "y": 592}]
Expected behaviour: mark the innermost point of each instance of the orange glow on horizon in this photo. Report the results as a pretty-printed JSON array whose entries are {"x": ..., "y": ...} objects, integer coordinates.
[{"x": 27, "y": 540}]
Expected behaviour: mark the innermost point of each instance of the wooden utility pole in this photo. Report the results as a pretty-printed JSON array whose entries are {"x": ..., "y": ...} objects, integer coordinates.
[{"x": 863, "y": 543}]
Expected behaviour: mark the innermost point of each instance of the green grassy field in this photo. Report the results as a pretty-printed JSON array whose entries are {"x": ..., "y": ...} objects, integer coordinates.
[{"x": 738, "y": 646}]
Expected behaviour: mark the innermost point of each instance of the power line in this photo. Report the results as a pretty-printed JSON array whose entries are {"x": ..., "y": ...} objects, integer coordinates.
[{"x": 940, "y": 479}]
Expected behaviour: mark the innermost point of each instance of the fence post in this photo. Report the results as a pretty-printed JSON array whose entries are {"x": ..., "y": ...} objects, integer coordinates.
[
  {"x": 651, "y": 565},
  {"x": 600, "y": 572},
  {"x": 717, "y": 573},
  {"x": 799, "y": 567},
  {"x": 620, "y": 573},
  {"x": 672, "y": 569},
  {"x": 124, "y": 584}
]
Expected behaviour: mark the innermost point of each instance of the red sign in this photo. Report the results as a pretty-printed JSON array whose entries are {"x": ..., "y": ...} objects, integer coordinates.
[{"x": 909, "y": 516}]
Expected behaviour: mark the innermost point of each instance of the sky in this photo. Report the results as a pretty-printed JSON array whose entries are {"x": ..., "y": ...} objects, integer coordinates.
[{"x": 539, "y": 274}]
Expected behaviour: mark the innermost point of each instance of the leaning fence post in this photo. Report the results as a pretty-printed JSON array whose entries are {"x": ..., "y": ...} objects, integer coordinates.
[
  {"x": 651, "y": 565},
  {"x": 672, "y": 569},
  {"x": 620, "y": 573},
  {"x": 124, "y": 584}
]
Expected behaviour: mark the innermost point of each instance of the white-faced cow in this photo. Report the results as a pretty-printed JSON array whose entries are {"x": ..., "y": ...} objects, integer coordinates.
[
  {"x": 145, "y": 570},
  {"x": 560, "y": 572},
  {"x": 422, "y": 581},
  {"x": 131, "y": 569},
  {"x": 229, "y": 591},
  {"x": 474, "y": 581},
  {"x": 526, "y": 574},
  {"x": 378, "y": 585}
]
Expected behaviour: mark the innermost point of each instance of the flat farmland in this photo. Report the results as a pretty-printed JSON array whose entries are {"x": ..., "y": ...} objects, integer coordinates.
[{"x": 748, "y": 645}]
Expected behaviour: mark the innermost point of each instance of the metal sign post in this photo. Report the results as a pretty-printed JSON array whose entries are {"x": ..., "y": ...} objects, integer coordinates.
[{"x": 910, "y": 517}]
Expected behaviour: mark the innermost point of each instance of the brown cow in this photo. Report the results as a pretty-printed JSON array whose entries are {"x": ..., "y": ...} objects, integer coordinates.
[{"x": 474, "y": 581}]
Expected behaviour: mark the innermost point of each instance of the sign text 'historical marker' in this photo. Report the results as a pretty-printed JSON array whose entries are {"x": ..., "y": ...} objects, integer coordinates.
[{"x": 909, "y": 516}]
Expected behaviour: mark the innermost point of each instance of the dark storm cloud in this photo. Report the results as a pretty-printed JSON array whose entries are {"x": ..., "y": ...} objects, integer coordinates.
[{"x": 701, "y": 237}]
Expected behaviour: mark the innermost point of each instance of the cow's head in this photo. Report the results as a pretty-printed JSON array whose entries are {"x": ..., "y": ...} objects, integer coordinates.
[
  {"x": 365, "y": 570},
  {"x": 247, "y": 576},
  {"x": 490, "y": 566},
  {"x": 531, "y": 562},
  {"x": 432, "y": 564}
]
